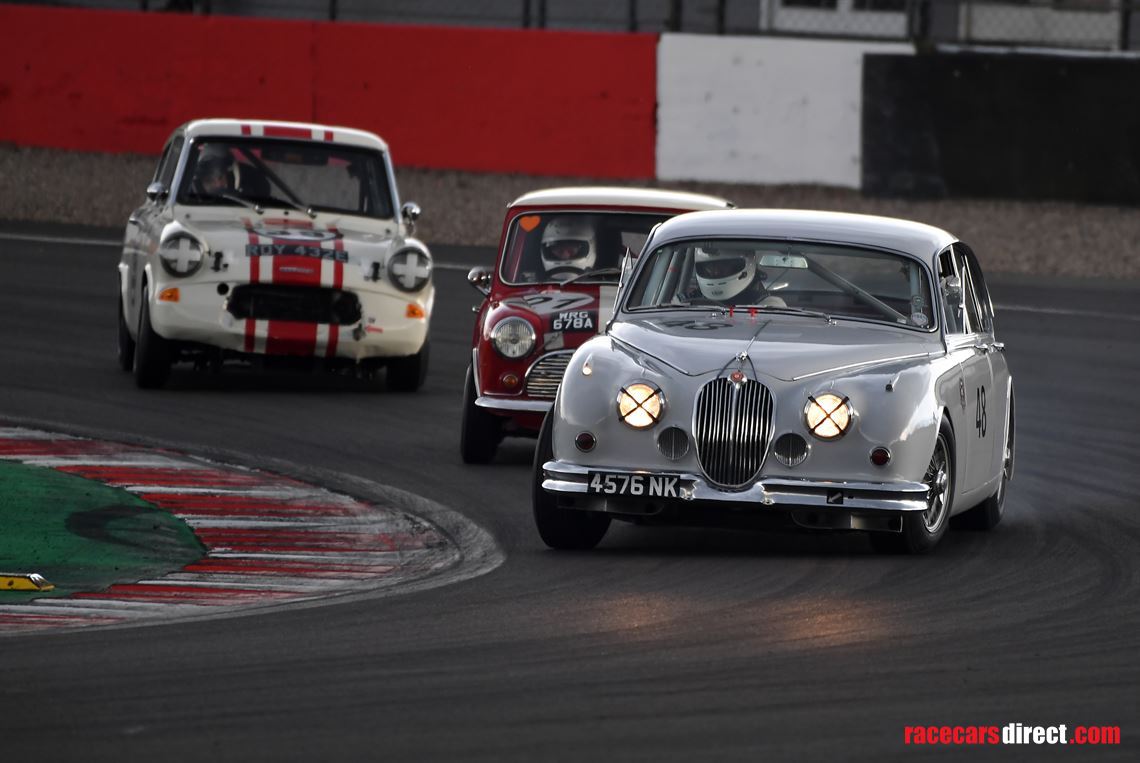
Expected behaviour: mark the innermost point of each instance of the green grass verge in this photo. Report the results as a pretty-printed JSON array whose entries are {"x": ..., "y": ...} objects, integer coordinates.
[{"x": 83, "y": 535}]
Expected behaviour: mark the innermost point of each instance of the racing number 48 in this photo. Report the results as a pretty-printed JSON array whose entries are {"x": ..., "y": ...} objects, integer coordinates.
[{"x": 980, "y": 414}]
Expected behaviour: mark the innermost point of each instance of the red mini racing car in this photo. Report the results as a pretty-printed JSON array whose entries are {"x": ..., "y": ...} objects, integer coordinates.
[{"x": 561, "y": 256}]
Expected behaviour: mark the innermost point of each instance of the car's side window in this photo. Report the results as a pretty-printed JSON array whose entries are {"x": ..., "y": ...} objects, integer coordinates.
[
  {"x": 969, "y": 294},
  {"x": 952, "y": 293},
  {"x": 978, "y": 288},
  {"x": 170, "y": 162},
  {"x": 161, "y": 163}
]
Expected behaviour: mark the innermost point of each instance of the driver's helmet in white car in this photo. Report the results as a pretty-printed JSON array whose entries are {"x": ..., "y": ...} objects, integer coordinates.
[
  {"x": 724, "y": 274},
  {"x": 213, "y": 172},
  {"x": 569, "y": 242}
]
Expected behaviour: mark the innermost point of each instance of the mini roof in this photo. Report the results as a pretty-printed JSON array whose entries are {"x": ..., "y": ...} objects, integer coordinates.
[{"x": 605, "y": 196}]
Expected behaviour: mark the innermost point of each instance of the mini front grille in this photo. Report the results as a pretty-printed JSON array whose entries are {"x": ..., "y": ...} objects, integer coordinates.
[
  {"x": 307, "y": 304},
  {"x": 732, "y": 428},
  {"x": 545, "y": 376}
]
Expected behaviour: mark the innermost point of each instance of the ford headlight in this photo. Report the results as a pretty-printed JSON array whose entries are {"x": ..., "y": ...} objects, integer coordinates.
[
  {"x": 181, "y": 256},
  {"x": 513, "y": 337},
  {"x": 409, "y": 269},
  {"x": 640, "y": 405},
  {"x": 828, "y": 416}
]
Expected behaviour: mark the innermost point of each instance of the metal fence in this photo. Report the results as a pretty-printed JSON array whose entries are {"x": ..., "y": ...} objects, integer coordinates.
[{"x": 1076, "y": 24}]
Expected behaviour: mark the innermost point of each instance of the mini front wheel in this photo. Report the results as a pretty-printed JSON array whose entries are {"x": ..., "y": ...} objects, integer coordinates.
[{"x": 480, "y": 431}]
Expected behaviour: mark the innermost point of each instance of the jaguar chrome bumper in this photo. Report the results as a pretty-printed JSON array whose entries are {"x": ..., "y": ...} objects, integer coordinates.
[{"x": 562, "y": 477}]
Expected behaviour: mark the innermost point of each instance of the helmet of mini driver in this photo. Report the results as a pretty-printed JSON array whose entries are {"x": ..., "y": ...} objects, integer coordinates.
[{"x": 569, "y": 242}]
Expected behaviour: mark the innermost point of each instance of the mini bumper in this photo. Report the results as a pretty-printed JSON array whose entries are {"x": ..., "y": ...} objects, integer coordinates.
[
  {"x": 513, "y": 405},
  {"x": 572, "y": 479}
]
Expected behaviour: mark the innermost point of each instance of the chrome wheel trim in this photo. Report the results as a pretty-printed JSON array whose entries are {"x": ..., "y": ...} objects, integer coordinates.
[
  {"x": 1007, "y": 461},
  {"x": 937, "y": 480}
]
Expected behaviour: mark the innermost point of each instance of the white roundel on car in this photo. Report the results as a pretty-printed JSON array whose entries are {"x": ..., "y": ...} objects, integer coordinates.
[
  {"x": 180, "y": 256},
  {"x": 409, "y": 270}
]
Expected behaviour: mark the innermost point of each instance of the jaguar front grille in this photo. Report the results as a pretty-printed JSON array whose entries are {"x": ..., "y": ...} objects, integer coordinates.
[
  {"x": 544, "y": 377},
  {"x": 732, "y": 429},
  {"x": 309, "y": 304}
]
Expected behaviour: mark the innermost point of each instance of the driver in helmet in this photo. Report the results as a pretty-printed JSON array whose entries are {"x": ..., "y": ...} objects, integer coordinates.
[
  {"x": 212, "y": 173},
  {"x": 569, "y": 247},
  {"x": 732, "y": 278}
]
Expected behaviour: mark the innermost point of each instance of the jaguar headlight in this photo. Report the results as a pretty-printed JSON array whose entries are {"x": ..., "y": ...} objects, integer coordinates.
[
  {"x": 409, "y": 269},
  {"x": 640, "y": 405},
  {"x": 513, "y": 337},
  {"x": 181, "y": 256},
  {"x": 828, "y": 416}
]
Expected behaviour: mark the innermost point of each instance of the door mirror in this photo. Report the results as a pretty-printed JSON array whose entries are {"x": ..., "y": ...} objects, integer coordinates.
[
  {"x": 156, "y": 191},
  {"x": 480, "y": 277},
  {"x": 411, "y": 212},
  {"x": 952, "y": 290}
]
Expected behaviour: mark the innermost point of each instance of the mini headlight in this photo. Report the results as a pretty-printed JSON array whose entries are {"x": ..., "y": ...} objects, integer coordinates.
[
  {"x": 181, "y": 256},
  {"x": 409, "y": 269},
  {"x": 513, "y": 337},
  {"x": 640, "y": 405},
  {"x": 828, "y": 416}
]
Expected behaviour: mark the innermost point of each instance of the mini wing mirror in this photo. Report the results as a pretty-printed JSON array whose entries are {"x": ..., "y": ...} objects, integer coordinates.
[
  {"x": 410, "y": 212},
  {"x": 156, "y": 191},
  {"x": 480, "y": 277}
]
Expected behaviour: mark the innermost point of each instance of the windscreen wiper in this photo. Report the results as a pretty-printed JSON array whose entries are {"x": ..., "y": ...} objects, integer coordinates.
[
  {"x": 228, "y": 196},
  {"x": 594, "y": 274},
  {"x": 788, "y": 310}
]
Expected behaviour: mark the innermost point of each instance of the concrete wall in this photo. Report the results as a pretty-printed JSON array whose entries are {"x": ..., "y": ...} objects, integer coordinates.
[{"x": 761, "y": 109}]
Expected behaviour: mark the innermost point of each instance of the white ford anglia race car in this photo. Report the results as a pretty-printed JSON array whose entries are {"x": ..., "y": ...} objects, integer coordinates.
[
  {"x": 274, "y": 242},
  {"x": 821, "y": 370}
]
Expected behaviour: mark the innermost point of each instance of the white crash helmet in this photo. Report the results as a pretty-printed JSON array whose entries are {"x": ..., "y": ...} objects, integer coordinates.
[
  {"x": 569, "y": 242},
  {"x": 214, "y": 159},
  {"x": 723, "y": 274}
]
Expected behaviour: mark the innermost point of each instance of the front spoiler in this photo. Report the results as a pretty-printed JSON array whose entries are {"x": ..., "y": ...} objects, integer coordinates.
[{"x": 776, "y": 493}]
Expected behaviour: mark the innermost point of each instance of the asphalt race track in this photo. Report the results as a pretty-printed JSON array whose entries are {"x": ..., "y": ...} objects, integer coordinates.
[{"x": 663, "y": 644}]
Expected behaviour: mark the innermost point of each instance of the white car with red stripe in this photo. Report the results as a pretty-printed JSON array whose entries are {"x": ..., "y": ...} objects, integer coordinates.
[{"x": 274, "y": 242}]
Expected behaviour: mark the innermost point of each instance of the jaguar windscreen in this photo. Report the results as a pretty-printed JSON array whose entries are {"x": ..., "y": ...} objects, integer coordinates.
[
  {"x": 322, "y": 177},
  {"x": 556, "y": 247},
  {"x": 835, "y": 280}
]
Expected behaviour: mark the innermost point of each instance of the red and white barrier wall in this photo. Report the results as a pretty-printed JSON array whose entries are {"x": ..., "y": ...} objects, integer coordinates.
[
  {"x": 499, "y": 100},
  {"x": 757, "y": 110}
]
